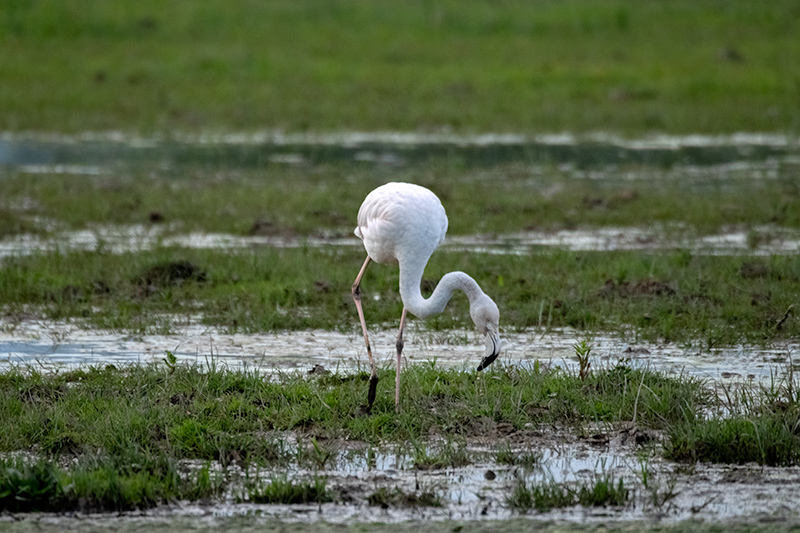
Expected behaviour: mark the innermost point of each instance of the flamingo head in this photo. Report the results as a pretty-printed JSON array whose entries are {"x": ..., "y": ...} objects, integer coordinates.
[{"x": 486, "y": 317}]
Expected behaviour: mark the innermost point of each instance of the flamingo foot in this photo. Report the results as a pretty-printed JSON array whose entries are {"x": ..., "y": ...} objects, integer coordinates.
[{"x": 373, "y": 388}]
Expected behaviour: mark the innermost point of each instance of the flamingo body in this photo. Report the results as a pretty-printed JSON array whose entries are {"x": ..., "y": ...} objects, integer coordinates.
[
  {"x": 399, "y": 220},
  {"x": 404, "y": 223}
]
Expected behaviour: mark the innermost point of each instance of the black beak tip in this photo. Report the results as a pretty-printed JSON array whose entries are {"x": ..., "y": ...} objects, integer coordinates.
[{"x": 488, "y": 361}]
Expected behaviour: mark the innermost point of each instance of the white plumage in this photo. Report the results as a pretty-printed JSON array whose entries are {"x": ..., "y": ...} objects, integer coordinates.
[
  {"x": 404, "y": 223},
  {"x": 398, "y": 219}
]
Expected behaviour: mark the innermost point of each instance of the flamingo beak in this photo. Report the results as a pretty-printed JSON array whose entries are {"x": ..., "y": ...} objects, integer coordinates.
[{"x": 492, "y": 340}]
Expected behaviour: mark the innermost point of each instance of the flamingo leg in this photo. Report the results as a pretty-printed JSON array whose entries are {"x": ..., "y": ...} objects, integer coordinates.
[
  {"x": 399, "y": 346},
  {"x": 373, "y": 379}
]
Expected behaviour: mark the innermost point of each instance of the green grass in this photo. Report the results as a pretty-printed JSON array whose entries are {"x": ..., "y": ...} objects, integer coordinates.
[
  {"x": 29, "y": 487},
  {"x": 227, "y": 416},
  {"x": 763, "y": 427},
  {"x": 547, "y": 495},
  {"x": 15, "y": 223},
  {"x": 100, "y": 483},
  {"x": 281, "y": 490},
  {"x": 323, "y": 200},
  {"x": 768, "y": 439},
  {"x": 580, "y": 65},
  {"x": 448, "y": 455},
  {"x": 504, "y": 455},
  {"x": 126, "y": 431},
  {"x": 127, "y": 434},
  {"x": 707, "y": 301}
]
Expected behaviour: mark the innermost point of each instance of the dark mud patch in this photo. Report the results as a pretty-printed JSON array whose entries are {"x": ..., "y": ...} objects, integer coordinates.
[
  {"x": 752, "y": 270},
  {"x": 386, "y": 498},
  {"x": 630, "y": 289},
  {"x": 268, "y": 228},
  {"x": 170, "y": 274},
  {"x": 74, "y": 294}
]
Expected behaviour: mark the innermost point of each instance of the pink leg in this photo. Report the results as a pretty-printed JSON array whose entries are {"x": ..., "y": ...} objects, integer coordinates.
[
  {"x": 356, "y": 290},
  {"x": 399, "y": 346}
]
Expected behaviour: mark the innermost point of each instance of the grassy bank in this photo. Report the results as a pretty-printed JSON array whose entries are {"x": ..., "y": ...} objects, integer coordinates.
[
  {"x": 547, "y": 66},
  {"x": 120, "y": 438},
  {"x": 133, "y": 437},
  {"x": 122, "y": 432},
  {"x": 709, "y": 301},
  {"x": 194, "y": 413},
  {"x": 324, "y": 199}
]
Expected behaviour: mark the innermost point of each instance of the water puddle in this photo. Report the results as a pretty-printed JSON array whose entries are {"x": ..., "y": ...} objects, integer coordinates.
[
  {"x": 780, "y": 241},
  {"x": 477, "y": 491},
  {"x": 482, "y": 490},
  {"x": 64, "y": 345},
  {"x": 134, "y": 238},
  {"x": 89, "y": 150}
]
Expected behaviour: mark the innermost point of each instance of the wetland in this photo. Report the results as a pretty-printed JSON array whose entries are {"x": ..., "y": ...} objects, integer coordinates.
[
  {"x": 179, "y": 343},
  {"x": 179, "y": 184}
]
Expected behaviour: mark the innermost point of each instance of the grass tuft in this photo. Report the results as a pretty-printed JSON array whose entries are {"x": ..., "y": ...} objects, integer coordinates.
[
  {"x": 603, "y": 492},
  {"x": 547, "y": 495},
  {"x": 30, "y": 486},
  {"x": 764, "y": 428},
  {"x": 281, "y": 490},
  {"x": 768, "y": 439},
  {"x": 100, "y": 483},
  {"x": 504, "y": 455},
  {"x": 448, "y": 455}
]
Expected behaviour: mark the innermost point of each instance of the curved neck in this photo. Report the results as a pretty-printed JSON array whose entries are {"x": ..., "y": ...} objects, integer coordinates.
[{"x": 410, "y": 278}]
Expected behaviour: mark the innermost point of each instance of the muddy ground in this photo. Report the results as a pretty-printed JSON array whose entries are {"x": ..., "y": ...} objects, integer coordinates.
[
  {"x": 479, "y": 492},
  {"x": 678, "y": 496}
]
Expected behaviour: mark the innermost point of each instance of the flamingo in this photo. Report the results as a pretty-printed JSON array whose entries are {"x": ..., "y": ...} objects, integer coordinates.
[{"x": 403, "y": 224}]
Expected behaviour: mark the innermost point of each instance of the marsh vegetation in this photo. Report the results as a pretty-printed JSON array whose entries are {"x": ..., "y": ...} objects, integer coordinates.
[
  {"x": 708, "y": 301},
  {"x": 133, "y": 436},
  {"x": 124, "y": 437}
]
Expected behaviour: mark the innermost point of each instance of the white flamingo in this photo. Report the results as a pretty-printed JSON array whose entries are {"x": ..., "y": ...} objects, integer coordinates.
[{"x": 402, "y": 223}]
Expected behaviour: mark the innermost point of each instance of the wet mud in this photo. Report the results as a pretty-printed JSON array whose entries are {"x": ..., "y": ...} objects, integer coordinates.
[{"x": 479, "y": 492}]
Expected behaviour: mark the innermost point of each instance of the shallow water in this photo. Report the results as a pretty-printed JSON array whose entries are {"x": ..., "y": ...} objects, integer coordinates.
[
  {"x": 59, "y": 344},
  {"x": 89, "y": 152},
  {"x": 707, "y": 492},
  {"x": 480, "y": 491},
  {"x": 121, "y": 239}
]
